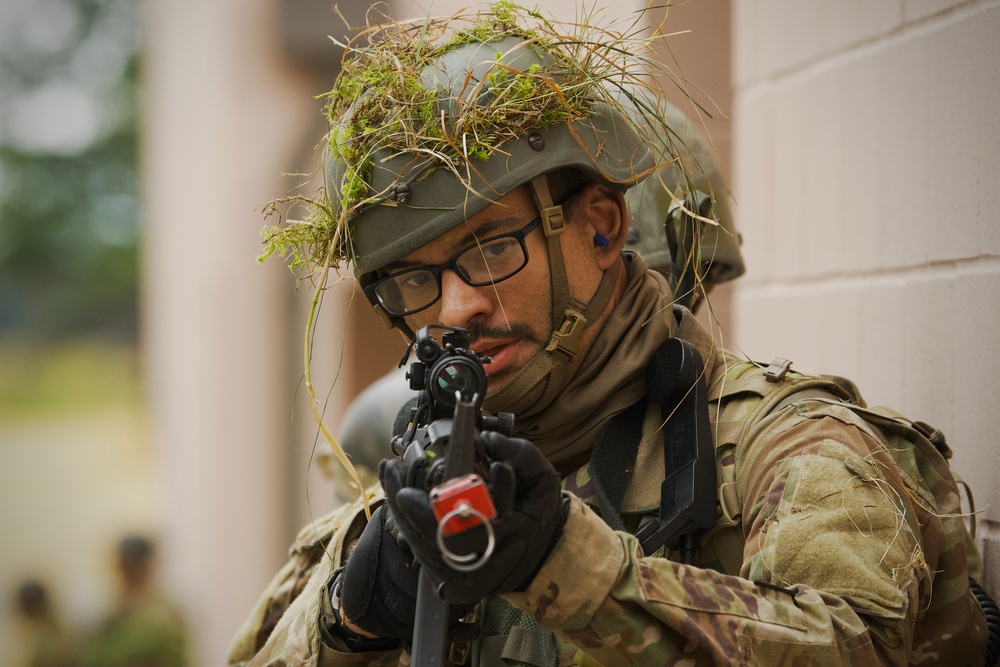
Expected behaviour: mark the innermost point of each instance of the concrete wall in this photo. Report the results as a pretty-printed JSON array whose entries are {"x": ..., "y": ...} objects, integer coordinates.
[{"x": 867, "y": 158}]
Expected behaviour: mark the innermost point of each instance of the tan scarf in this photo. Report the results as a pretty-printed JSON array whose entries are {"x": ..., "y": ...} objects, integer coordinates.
[{"x": 612, "y": 375}]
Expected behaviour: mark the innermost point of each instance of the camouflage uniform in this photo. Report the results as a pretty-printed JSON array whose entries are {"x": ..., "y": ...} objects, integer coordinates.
[
  {"x": 838, "y": 542},
  {"x": 146, "y": 630}
]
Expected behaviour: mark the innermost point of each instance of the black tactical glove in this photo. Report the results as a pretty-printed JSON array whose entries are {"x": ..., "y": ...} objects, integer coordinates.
[
  {"x": 526, "y": 491},
  {"x": 379, "y": 584},
  {"x": 378, "y": 588}
]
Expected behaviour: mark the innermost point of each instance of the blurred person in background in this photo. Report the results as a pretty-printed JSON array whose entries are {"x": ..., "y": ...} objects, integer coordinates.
[
  {"x": 145, "y": 629},
  {"x": 48, "y": 642}
]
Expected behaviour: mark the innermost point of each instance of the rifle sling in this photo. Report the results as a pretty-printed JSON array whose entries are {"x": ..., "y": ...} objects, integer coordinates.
[{"x": 613, "y": 459}]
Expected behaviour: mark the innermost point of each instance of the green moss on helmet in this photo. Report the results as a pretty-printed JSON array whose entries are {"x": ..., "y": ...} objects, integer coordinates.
[
  {"x": 304, "y": 240},
  {"x": 383, "y": 102},
  {"x": 501, "y": 20},
  {"x": 397, "y": 109}
]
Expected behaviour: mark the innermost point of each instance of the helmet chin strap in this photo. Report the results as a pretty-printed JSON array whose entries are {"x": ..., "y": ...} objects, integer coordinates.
[{"x": 536, "y": 385}]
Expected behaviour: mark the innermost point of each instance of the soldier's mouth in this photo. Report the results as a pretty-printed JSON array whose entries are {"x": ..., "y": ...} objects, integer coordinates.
[{"x": 500, "y": 356}]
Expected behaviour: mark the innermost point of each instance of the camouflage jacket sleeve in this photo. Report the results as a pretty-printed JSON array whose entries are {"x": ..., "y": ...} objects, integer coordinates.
[{"x": 835, "y": 569}]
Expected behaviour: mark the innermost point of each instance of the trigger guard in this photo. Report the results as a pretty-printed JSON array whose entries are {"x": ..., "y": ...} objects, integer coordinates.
[{"x": 416, "y": 474}]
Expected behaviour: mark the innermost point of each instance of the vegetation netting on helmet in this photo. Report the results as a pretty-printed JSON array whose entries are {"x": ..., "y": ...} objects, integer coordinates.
[{"x": 384, "y": 105}]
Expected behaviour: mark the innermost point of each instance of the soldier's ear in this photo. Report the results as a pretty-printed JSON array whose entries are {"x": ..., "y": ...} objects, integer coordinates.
[{"x": 607, "y": 214}]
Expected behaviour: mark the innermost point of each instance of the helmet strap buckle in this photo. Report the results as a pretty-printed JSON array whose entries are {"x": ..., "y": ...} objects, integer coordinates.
[
  {"x": 569, "y": 335},
  {"x": 553, "y": 220}
]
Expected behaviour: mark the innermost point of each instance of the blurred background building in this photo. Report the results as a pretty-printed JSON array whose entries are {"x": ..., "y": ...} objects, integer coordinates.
[
  {"x": 150, "y": 369},
  {"x": 76, "y": 469}
]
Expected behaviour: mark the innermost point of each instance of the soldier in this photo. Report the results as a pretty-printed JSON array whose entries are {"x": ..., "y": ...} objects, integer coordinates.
[
  {"x": 477, "y": 179},
  {"x": 49, "y": 643},
  {"x": 659, "y": 232},
  {"x": 145, "y": 629}
]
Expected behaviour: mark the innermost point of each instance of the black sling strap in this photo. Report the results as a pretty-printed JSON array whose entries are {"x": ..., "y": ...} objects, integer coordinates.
[
  {"x": 613, "y": 459},
  {"x": 675, "y": 379}
]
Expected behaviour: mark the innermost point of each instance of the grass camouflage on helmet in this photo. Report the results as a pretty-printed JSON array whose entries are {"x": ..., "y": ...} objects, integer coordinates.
[{"x": 434, "y": 119}]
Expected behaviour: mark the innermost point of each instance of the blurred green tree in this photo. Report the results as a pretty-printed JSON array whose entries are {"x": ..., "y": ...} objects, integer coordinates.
[{"x": 69, "y": 212}]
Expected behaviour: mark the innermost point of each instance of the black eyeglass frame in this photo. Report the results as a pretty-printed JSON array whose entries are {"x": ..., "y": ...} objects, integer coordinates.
[{"x": 436, "y": 271}]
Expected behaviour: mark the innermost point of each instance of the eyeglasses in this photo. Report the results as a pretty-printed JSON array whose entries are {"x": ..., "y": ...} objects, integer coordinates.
[{"x": 487, "y": 262}]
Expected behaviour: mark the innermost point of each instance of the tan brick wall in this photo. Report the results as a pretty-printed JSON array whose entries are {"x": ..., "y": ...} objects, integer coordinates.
[{"x": 866, "y": 166}]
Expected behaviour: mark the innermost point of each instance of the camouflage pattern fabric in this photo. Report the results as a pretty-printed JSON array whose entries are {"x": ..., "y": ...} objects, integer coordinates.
[{"x": 852, "y": 553}]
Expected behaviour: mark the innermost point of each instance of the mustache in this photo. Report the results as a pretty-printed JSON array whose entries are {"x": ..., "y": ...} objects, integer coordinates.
[{"x": 516, "y": 329}]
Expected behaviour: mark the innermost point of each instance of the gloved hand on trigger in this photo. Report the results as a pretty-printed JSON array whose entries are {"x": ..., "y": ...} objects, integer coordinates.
[
  {"x": 378, "y": 587},
  {"x": 526, "y": 491}
]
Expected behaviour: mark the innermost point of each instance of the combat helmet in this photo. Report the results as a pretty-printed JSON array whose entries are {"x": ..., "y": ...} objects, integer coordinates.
[
  {"x": 678, "y": 205},
  {"x": 414, "y": 193}
]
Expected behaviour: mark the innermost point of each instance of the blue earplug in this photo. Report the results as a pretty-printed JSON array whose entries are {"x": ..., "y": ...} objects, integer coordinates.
[{"x": 601, "y": 240}]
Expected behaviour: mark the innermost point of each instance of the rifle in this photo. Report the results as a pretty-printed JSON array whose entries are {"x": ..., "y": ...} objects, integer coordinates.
[{"x": 439, "y": 453}]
